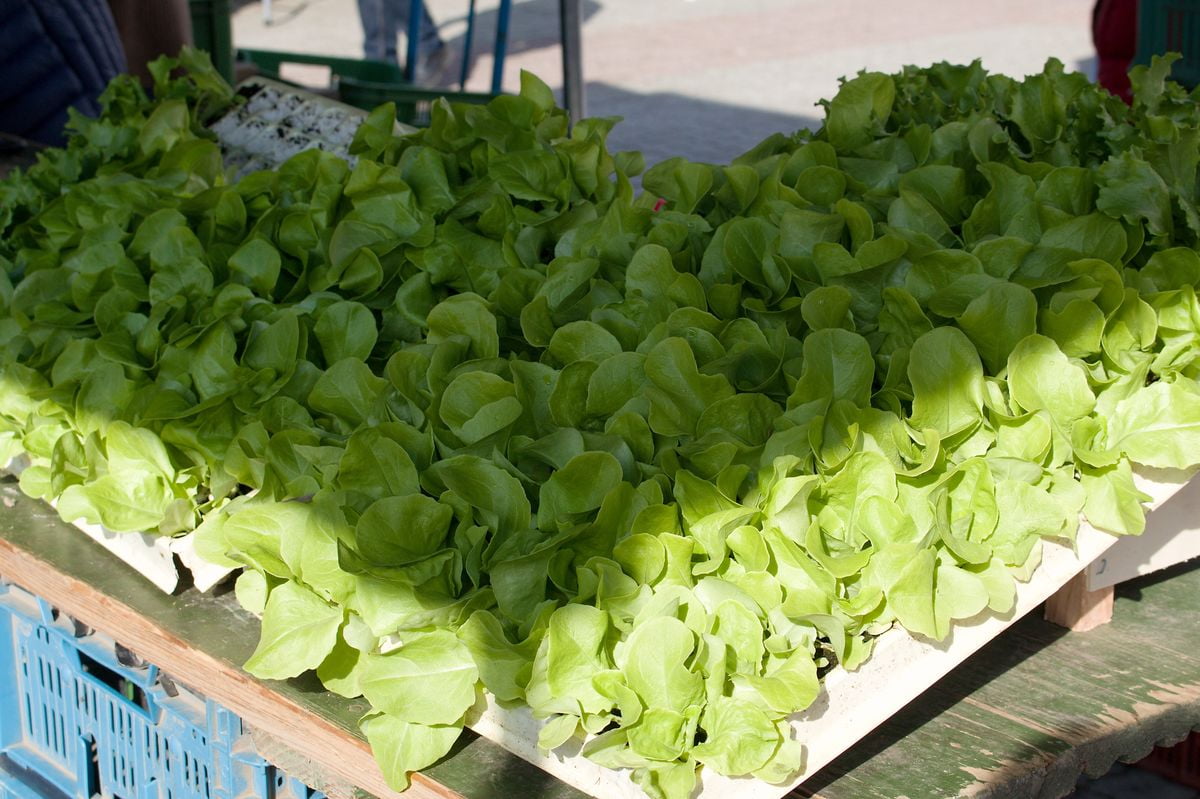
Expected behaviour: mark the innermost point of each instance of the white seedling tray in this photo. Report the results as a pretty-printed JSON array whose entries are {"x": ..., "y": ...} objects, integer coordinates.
[
  {"x": 902, "y": 666},
  {"x": 278, "y": 121}
]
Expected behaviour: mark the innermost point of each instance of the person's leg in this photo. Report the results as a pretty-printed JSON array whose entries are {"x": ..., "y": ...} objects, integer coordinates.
[
  {"x": 392, "y": 26},
  {"x": 430, "y": 39},
  {"x": 1114, "y": 32},
  {"x": 379, "y": 23},
  {"x": 432, "y": 52}
]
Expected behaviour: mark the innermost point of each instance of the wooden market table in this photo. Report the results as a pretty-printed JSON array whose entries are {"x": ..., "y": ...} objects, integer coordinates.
[{"x": 1021, "y": 718}]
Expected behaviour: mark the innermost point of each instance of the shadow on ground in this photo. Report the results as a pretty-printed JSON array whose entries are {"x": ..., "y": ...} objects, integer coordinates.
[{"x": 665, "y": 124}]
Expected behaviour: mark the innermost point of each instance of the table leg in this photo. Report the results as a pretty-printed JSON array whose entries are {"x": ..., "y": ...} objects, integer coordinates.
[
  {"x": 571, "y": 24},
  {"x": 501, "y": 45},
  {"x": 1077, "y": 608},
  {"x": 467, "y": 42},
  {"x": 414, "y": 41}
]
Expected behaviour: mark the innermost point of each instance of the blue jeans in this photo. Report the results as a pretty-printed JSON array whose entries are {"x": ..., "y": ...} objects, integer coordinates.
[{"x": 382, "y": 21}]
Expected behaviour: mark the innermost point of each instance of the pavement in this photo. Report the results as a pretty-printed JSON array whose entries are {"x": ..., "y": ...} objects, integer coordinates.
[{"x": 708, "y": 79}]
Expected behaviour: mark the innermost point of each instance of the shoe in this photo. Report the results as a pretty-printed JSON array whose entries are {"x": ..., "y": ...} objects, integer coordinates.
[{"x": 432, "y": 67}]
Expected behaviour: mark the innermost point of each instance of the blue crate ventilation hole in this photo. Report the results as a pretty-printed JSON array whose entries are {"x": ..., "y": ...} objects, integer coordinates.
[{"x": 76, "y": 720}]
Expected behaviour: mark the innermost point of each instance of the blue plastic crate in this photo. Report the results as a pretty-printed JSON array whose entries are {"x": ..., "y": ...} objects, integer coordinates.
[{"x": 78, "y": 719}]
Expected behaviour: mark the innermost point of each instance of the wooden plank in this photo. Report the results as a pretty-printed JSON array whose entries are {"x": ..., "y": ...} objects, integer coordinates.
[
  {"x": 152, "y": 556},
  {"x": 1039, "y": 706},
  {"x": 196, "y": 668},
  {"x": 202, "y": 640},
  {"x": 1077, "y": 608}
]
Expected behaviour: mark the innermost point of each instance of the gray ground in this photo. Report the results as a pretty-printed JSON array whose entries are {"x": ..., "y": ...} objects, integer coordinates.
[{"x": 708, "y": 79}]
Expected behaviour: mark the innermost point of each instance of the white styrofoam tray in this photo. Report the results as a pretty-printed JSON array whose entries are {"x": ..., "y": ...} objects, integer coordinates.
[{"x": 852, "y": 704}]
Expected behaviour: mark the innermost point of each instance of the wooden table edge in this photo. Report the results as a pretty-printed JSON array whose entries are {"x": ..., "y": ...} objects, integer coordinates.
[{"x": 308, "y": 734}]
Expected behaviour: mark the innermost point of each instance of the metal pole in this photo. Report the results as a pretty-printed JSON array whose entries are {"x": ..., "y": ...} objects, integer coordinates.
[
  {"x": 570, "y": 17},
  {"x": 501, "y": 45},
  {"x": 466, "y": 62},
  {"x": 414, "y": 40}
]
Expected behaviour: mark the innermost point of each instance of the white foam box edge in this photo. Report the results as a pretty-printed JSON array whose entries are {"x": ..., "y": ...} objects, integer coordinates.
[
  {"x": 1172, "y": 536},
  {"x": 151, "y": 556}
]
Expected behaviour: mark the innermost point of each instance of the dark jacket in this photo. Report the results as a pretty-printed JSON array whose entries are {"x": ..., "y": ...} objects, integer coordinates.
[{"x": 54, "y": 54}]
